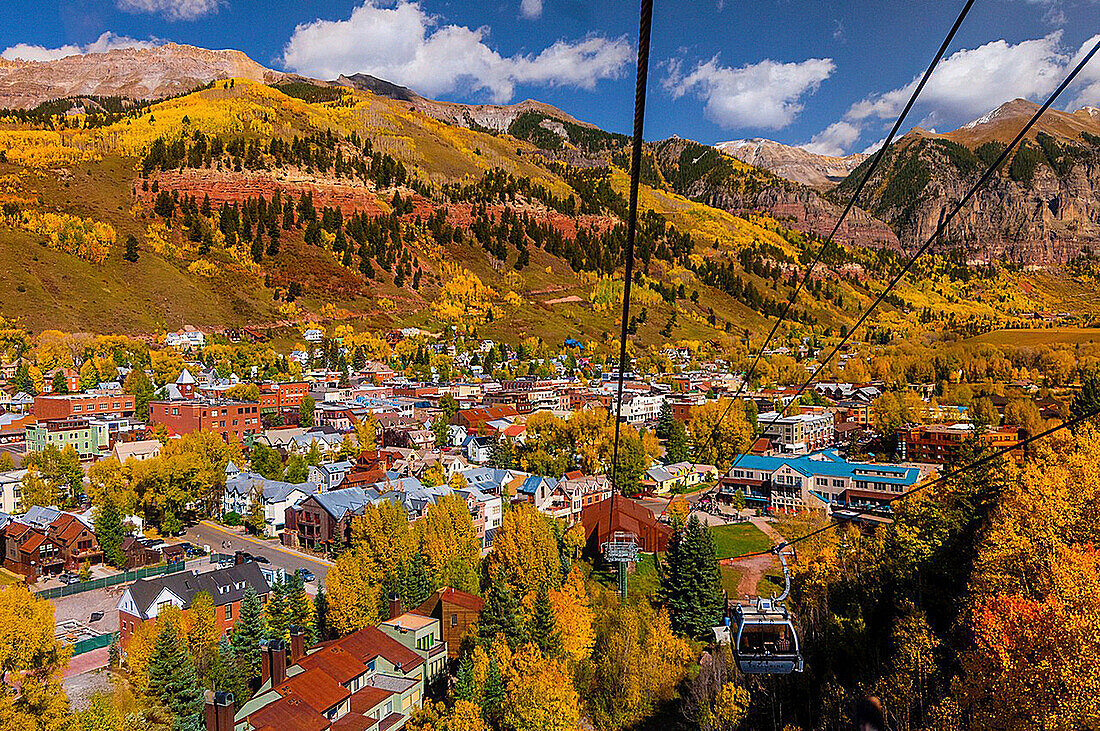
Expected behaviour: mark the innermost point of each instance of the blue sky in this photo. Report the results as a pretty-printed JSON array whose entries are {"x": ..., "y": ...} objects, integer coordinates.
[{"x": 828, "y": 73}]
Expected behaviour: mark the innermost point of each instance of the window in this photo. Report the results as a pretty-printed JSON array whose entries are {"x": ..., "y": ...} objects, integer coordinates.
[
  {"x": 454, "y": 620},
  {"x": 175, "y": 411},
  {"x": 228, "y": 612}
]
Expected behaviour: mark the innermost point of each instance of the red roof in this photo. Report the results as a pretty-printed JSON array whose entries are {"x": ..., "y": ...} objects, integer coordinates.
[
  {"x": 289, "y": 713},
  {"x": 371, "y": 642},
  {"x": 450, "y": 596},
  {"x": 336, "y": 662},
  {"x": 315, "y": 688}
]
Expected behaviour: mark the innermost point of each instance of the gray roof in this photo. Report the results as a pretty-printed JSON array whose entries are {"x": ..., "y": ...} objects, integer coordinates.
[
  {"x": 337, "y": 503},
  {"x": 224, "y": 586},
  {"x": 39, "y": 517},
  {"x": 274, "y": 491}
]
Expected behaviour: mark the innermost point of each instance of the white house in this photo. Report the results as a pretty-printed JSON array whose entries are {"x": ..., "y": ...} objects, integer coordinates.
[
  {"x": 313, "y": 335},
  {"x": 185, "y": 339},
  {"x": 242, "y": 488},
  {"x": 328, "y": 476}
]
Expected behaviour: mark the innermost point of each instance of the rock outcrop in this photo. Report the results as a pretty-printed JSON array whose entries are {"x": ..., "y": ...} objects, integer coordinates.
[{"x": 793, "y": 163}]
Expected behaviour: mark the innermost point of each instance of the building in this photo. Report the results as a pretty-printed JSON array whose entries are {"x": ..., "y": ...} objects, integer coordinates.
[
  {"x": 145, "y": 598},
  {"x": 140, "y": 450},
  {"x": 323, "y": 518},
  {"x": 641, "y": 408},
  {"x": 282, "y": 398},
  {"x": 89, "y": 437},
  {"x": 940, "y": 443},
  {"x": 474, "y": 420},
  {"x": 662, "y": 479},
  {"x": 798, "y": 433},
  {"x": 233, "y": 420},
  {"x": 93, "y": 403},
  {"x": 242, "y": 489},
  {"x": 329, "y": 475},
  {"x": 185, "y": 339},
  {"x": 584, "y": 490},
  {"x": 456, "y": 611},
  {"x": 423, "y": 635},
  {"x": 47, "y": 541},
  {"x": 825, "y": 479},
  {"x": 11, "y": 490},
  {"x": 366, "y": 681},
  {"x": 618, "y": 515}
]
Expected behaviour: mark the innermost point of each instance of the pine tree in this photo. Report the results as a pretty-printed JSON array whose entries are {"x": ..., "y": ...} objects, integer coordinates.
[
  {"x": 278, "y": 614},
  {"x": 464, "y": 681},
  {"x": 1087, "y": 400},
  {"x": 228, "y": 673},
  {"x": 173, "y": 682},
  {"x": 664, "y": 421},
  {"x": 492, "y": 703},
  {"x": 418, "y": 586},
  {"x": 502, "y": 454},
  {"x": 544, "y": 628},
  {"x": 691, "y": 582},
  {"x": 320, "y": 616},
  {"x": 501, "y": 615},
  {"x": 108, "y": 531},
  {"x": 250, "y": 631},
  {"x": 677, "y": 446},
  {"x": 300, "y": 607}
]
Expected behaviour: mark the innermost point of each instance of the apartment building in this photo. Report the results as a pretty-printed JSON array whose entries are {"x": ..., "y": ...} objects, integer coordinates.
[
  {"x": 93, "y": 403},
  {"x": 798, "y": 433},
  {"x": 233, "y": 420}
]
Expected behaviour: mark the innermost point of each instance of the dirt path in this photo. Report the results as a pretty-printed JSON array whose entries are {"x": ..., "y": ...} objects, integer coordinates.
[{"x": 754, "y": 568}]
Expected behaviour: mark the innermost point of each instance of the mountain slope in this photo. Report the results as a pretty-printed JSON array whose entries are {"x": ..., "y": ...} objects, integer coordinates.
[
  {"x": 145, "y": 73},
  {"x": 793, "y": 163},
  {"x": 1042, "y": 207}
]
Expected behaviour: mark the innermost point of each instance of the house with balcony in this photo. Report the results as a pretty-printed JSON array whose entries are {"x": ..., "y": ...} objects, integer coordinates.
[{"x": 46, "y": 541}]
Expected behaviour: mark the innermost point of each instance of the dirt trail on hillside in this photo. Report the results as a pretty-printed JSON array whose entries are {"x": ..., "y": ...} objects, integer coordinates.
[{"x": 753, "y": 569}]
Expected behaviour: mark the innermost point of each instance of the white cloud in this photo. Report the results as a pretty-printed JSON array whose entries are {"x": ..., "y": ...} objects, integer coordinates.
[
  {"x": 530, "y": 9},
  {"x": 834, "y": 139},
  {"x": 106, "y": 42},
  {"x": 405, "y": 45},
  {"x": 767, "y": 94},
  {"x": 970, "y": 82},
  {"x": 1087, "y": 89},
  {"x": 172, "y": 9}
]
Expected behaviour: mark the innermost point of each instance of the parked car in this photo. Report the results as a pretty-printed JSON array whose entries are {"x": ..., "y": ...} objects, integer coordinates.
[
  {"x": 260, "y": 559},
  {"x": 68, "y": 578},
  {"x": 306, "y": 575}
]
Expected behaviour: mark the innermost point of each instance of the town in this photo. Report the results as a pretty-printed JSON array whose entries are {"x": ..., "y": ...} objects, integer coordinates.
[{"x": 226, "y": 470}]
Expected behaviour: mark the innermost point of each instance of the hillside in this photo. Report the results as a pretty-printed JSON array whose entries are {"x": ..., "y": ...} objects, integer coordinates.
[
  {"x": 1043, "y": 207},
  {"x": 278, "y": 204}
]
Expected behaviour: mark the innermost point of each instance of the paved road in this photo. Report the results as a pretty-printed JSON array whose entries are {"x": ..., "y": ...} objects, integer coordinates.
[{"x": 209, "y": 534}]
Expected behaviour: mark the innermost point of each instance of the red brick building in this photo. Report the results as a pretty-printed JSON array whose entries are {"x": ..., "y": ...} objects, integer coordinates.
[
  {"x": 276, "y": 398},
  {"x": 143, "y": 600},
  {"x": 231, "y": 419},
  {"x": 64, "y": 406}
]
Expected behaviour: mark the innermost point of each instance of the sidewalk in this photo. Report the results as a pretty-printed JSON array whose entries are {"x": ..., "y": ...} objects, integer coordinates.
[{"x": 87, "y": 662}]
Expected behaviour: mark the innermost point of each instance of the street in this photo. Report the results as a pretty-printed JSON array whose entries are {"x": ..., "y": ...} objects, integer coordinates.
[{"x": 210, "y": 534}]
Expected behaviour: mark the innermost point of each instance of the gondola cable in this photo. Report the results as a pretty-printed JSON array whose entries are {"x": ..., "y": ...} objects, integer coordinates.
[
  {"x": 940, "y": 229},
  {"x": 645, "y": 23},
  {"x": 875, "y": 161}
]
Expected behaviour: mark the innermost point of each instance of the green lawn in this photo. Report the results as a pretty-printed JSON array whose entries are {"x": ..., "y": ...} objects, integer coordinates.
[{"x": 739, "y": 538}]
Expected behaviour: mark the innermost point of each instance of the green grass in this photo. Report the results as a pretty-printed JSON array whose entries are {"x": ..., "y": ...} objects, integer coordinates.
[{"x": 739, "y": 538}]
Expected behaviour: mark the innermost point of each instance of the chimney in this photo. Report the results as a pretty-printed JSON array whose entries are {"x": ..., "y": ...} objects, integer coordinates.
[
  {"x": 265, "y": 664},
  {"x": 238, "y": 558},
  {"x": 219, "y": 711},
  {"x": 395, "y": 606},
  {"x": 277, "y": 650},
  {"x": 297, "y": 644}
]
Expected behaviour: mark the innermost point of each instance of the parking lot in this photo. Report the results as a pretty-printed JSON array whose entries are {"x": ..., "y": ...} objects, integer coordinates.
[{"x": 78, "y": 608}]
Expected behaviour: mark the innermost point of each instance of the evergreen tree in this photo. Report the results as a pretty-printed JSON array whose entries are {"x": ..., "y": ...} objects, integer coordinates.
[
  {"x": 60, "y": 383},
  {"x": 441, "y": 430},
  {"x": 228, "y": 673},
  {"x": 544, "y": 628},
  {"x": 320, "y": 616},
  {"x": 1087, "y": 400},
  {"x": 249, "y": 633},
  {"x": 464, "y": 680},
  {"x": 502, "y": 454},
  {"x": 677, "y": 446},
  {"x": 501, "y": 615},
  {"x": 278, "y": 614},
  {"x": 418, "y": 585},
  {"x": 138, "y": 384},
  {"x": 131, "y": 254},
  {"x": 691, "y": 582},
  {"x": 173, "y": 682},
  {"x": 664, "y": 421},
  {"x": 108, "y": 531},
  {"x": 300, "y": 607},
  {"x": 492, "y": 703}
]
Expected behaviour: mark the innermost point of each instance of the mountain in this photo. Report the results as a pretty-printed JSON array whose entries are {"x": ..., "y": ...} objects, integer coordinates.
[
  {"x": 133, "y": 73},
  {"x": 1042, "y": 207},
  {"x": 793, "y": 163},
  {"x": 717, "y": 179}
]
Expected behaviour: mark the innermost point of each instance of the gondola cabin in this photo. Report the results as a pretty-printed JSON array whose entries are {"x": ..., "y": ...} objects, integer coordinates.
[{"x": 765, "y": 641}]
